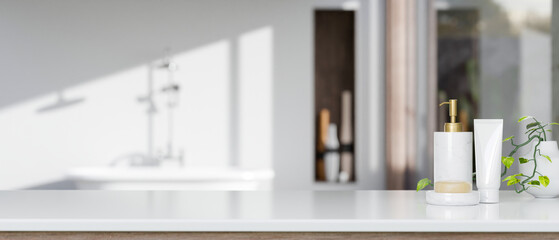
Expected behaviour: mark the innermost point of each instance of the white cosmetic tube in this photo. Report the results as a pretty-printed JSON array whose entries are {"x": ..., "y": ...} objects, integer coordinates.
[{"x": 488, "y": 135}]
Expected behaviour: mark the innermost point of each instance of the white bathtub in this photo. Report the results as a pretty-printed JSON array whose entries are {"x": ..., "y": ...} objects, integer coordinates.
[{"x": 170, "y": 178}]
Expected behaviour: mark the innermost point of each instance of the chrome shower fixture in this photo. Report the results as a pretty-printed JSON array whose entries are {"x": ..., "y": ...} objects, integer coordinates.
[{"x": 168, "y": 63}]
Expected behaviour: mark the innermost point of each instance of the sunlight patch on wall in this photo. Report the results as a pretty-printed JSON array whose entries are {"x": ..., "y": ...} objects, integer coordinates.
[{"x": 255, "y": 97}]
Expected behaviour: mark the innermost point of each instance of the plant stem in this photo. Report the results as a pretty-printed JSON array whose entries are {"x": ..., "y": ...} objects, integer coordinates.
[
  {"x": 536, "y": 151},
  {"x": 516, "y": 147},
  {"x": 535, "y": 164}
]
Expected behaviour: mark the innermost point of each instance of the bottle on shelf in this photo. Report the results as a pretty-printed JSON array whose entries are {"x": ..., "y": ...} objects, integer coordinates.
[{"x": 332, "y": 155}]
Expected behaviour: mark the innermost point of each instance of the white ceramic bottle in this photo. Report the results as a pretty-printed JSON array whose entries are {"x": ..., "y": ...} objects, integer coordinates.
[
  {"x": 453, "y": 156},
  {"x": 332, "y": 156}
]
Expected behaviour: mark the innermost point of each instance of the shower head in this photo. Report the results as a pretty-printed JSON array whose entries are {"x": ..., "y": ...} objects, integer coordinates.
[{"x": 60, "y": 103}]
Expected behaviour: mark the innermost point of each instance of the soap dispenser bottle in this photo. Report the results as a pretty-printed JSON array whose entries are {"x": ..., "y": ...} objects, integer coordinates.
[{"x": 453, "y": 155}]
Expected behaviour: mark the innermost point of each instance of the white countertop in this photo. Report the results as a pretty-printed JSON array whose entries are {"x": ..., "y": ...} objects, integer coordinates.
[{"x": 302, "y": 211}]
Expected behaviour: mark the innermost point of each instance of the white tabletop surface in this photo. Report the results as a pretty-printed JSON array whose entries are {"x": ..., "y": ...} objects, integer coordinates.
[{"x": 312, "y": 211}]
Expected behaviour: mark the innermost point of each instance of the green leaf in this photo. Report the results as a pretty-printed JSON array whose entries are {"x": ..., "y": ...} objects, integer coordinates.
[
  {"x": 507, "y": 161},
  {"x": 522, "y": 160},
  {"x": 512, "y": 177},
  {"x": 513, "y": 181},
  {"x": 534, "y": 182},
  {"x": 531, "y": 125},
  {"x": 549, "y": 130},
  {"x": 509, "y": 138},
  {"x": 523, "y": 118},
  {"x": 554, "y": 123},
  {"x": 423, "y": 183},
  {"x": 544, "y": 180},
  {"x": 545, "y": 156}
]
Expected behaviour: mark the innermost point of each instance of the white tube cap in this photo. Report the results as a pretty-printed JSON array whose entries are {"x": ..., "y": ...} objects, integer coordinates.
[{"x": 488, "y": 195}]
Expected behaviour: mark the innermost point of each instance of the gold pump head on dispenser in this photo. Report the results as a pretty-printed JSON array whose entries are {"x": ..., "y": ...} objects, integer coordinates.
[{"x": 452, "y": 126}]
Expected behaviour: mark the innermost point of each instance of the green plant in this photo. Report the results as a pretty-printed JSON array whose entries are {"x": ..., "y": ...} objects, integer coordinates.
[{"x": 536, "y": 132}]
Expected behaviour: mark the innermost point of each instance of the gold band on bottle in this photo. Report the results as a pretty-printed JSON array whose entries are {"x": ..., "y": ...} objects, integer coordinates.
[{"x": 453, "y": 127}]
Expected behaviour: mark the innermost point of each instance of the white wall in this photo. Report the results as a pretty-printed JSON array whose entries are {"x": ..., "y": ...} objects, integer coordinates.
[
  {"x": 293, "y": 148},
  {"x": 245, "y": 73},
  {"x": 535, "y": 79}
]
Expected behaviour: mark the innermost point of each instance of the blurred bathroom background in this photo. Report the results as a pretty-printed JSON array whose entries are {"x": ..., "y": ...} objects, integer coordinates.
[{"x": 216, "y": 94}]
